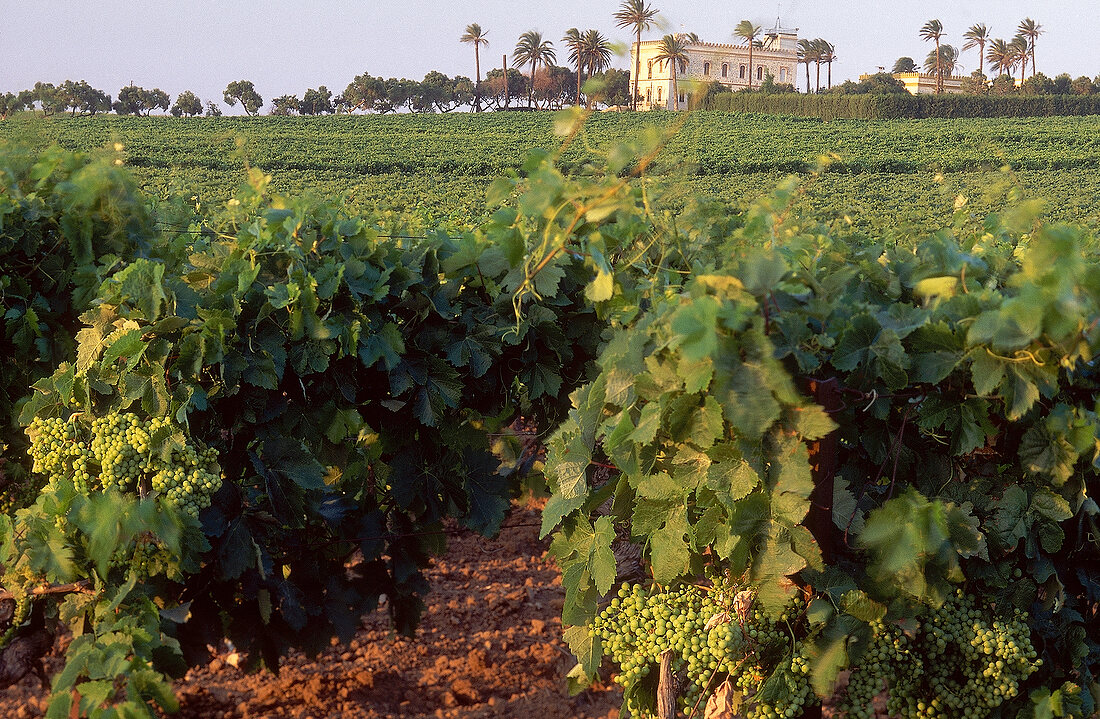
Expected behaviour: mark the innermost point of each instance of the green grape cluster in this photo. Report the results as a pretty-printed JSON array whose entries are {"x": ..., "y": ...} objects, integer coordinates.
[
  {"x": 18, "y": 492},
  {"x": 117, "y": 452},
  {"x": 975, "y": 660},
  {"x": 963, "y": 662},
  {"x": 892, "y": 663},
  {"x": 22, "y": 611},
  {"x": 710, "y": 642}
]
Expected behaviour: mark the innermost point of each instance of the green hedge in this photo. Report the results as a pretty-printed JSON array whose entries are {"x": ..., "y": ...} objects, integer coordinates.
[{"x": 885, "y": 107}]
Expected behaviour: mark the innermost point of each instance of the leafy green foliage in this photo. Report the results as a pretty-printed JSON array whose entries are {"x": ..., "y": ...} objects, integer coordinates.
[
  {"x": 350, "y": 384},
  {"x": 965, "y": 439},
  {"x": 319, "y": 399},
  {"x": 65, "y": 222}
]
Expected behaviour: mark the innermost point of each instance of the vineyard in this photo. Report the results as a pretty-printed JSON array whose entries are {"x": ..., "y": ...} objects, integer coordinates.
[
  {"x": 791, "y": 453},
  {"x": 889, "y": 173}
]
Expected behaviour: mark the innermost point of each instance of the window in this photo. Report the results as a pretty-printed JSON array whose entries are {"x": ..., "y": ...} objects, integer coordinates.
[
  {"x": 782, "y": 74},
  {"x": 659, "y": 95},
  {"x": 725, "y": 70},
  {"x": 743, "y": 71},
  {"x": 759, "y": 72},
  {"x": 650, "y": 69},
  {"x": 649, "y": 96},
  {"x": 706, "y": 68},
  {"x": 683, "y": 97}
]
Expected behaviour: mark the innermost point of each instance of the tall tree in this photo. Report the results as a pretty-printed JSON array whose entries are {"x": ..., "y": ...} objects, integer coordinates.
[
  {"x": 500, "y": 87},
  {"x": 818, "y": 57},
  {"x": 828, "y": 54},
  {"x": 904, "y": 64},
  {"x": 748, "y": 32},
  {"x": 85, "y": 99},
  {"x": 285, "y": 105},
  {"x": 806, "y": 52},
  {"x": 47, "y": 96},
  {"x": 10, "y": 104},
  {"x": 1021, "y": 49},
  {"x": 638, "y": 15},
  {"x": 187, "y": 103},
  {"x": 943, "y": 59},
  {"x": 933, "y": 30},
  {"x": 531, "y": 48},
  {"x": 133, "y": 100},
  {"x": 1030, "y": 30},
  {"x": 673, "y": 51},
  {"x": 1000, "y": 57},
  {"x": 476, "y": 36},
  {"x": 977, "y": 36},
  {"x": 243, "y": 91},
  {"x": 596, "y": 52},
  {"x": 574, "y": 40},
  {"x": 365, "y": 93},
  {"x": 317, "y": 102}
]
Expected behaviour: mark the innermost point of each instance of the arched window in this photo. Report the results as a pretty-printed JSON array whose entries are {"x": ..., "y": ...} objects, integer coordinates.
[
  {"x": 649, "y": 96},
  {"x": 659, "y": 95},
  {"x": 743, "y": 71},
  {"x": 650, "y": 69},
  {"x": 683, "y": 97},
  {"x": 782, "y": 74},
  {"x": 706, "y": 68},
  {"x": 759, "y": 72},
  {"x": 725, "y": 70}
]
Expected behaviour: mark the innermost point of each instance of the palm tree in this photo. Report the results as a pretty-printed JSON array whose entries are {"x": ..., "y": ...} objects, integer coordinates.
[
  {"x": 1030, "y": 30},
  {"x": 476, "y": 36},
  {"x": 673, "y": 50},
  {"x": 575, "y": 42},
  {"x": 639, "y": 15},
  {"x": 1020, "y": 48},
  {"x": 999, "y": 56},
  {"x": 748, "y": 32},
  {"x": 933, "y": 30},
  {"x": 806, "y": 52},
  {"x": 531, "y": 48},
  {"x": 819, "y": 46},
  {"x": 828, "y": 55},
  {"x": 977, "y": 36},
  {"x": 596, "y": 52},
  {"x": 944, "y": 58}
]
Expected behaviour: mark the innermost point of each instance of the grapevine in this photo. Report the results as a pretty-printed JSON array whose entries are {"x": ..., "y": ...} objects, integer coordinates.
[{"x": 351, "y": 386}]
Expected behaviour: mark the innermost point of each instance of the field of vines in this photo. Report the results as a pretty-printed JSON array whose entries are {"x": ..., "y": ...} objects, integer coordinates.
[
  {"x": 791, "y": 455},
  {"x": 887, "y": 174}
]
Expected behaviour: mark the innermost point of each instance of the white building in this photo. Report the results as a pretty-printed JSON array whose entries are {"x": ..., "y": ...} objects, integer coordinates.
[{"x": 714, "y": 62}]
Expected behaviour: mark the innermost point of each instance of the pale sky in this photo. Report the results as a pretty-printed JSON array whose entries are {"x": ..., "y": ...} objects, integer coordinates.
[{"x": 285, "y": 47}]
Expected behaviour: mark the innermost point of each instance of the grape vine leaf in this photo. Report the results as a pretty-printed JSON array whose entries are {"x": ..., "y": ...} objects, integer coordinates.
[{"x": 669, "y": 550}]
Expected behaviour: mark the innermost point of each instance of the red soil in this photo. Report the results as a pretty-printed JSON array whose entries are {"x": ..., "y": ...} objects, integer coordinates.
[{"x": 489, "y": 646}]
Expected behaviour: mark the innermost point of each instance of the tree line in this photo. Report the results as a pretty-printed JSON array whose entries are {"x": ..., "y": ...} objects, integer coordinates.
[
  {"x": 1004, "y": 57},
  {"x": 588, "y": 77},
  {"x": 553, "y": 87}
]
